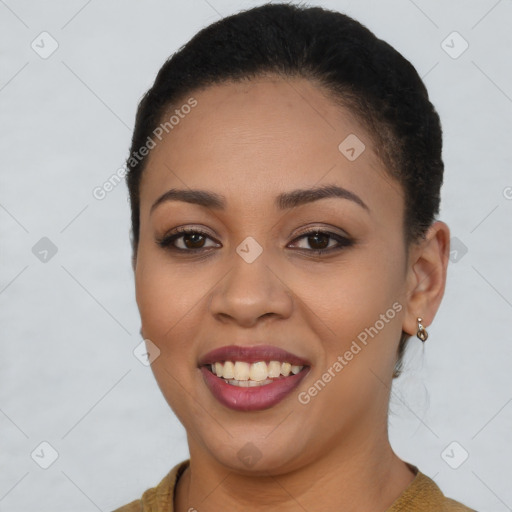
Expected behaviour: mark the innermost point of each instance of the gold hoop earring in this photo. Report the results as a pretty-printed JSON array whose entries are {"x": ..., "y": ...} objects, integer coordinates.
[{"x": 422, "y": 334}]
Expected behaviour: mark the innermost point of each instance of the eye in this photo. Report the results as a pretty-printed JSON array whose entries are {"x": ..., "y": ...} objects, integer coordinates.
[
  {"x": 319, "y": 241},
  {"x": 194, "y": 240},
  {"x": 191, "y": 240}
]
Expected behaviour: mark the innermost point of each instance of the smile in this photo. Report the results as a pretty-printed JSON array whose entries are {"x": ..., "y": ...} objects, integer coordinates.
[
  {"x": 261, "y": 373},
  {"x": 251, "y": 378}
]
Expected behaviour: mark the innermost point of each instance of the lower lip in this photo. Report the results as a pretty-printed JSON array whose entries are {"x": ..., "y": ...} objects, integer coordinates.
[{"x": 251, "y": 399}]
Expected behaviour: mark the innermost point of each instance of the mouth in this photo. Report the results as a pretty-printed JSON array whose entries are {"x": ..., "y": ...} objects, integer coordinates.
[{"x": 252, "y": 378}]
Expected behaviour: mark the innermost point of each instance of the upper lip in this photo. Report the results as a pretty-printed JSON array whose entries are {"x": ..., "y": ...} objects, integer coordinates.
[{"x": 251, "y": 354}]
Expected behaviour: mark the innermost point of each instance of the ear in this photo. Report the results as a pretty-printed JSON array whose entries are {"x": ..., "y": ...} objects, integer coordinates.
[{"x": 426, "y": 279}]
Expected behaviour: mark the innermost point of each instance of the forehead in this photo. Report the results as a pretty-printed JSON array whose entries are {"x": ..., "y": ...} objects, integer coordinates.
[{"x": 251, "y": 140}]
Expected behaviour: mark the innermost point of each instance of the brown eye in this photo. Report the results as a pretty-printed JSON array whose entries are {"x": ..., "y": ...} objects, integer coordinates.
[
  {"x": 318, "y": 241},
  {"x": 191, "y": 240},
  {"x": 196, "y": 240}
]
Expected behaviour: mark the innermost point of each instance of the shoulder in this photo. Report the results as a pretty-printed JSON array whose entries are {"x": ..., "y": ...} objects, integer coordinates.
[
  {"x": 424, "y": 495},
  {"x": 160, "y": 497}
]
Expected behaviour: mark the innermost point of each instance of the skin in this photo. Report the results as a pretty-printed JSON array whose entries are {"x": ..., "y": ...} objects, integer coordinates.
[{"x": 249, "y": 142}]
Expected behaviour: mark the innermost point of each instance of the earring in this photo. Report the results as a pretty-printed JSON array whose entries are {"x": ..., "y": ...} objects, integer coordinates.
[{"x": 422, "y": 334}]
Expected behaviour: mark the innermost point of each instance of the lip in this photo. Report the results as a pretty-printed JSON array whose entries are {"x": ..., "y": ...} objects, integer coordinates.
[
  {"x": 251, "y": 398},
  {"x": 251, "y": 354}
]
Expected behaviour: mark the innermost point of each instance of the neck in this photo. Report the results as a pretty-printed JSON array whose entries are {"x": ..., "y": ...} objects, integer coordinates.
[{"x": 358, "y": 475}]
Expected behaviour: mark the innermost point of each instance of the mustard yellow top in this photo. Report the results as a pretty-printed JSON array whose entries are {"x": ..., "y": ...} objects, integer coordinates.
[{"x": 421, "y": 495}]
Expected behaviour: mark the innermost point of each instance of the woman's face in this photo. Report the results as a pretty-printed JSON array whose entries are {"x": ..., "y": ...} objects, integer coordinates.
[{"x": 252, "y": 277}]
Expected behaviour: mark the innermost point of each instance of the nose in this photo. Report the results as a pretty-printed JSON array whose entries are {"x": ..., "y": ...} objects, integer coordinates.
[{"x": 250, "y": 292}]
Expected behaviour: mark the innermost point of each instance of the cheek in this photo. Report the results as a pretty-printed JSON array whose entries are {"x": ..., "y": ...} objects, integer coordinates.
[
  {"x": 167, "y": 298},
  {"x": 363, "y": 304},
  {"x": 167, "y": 301},
  {"x": 362, "y": 310}
]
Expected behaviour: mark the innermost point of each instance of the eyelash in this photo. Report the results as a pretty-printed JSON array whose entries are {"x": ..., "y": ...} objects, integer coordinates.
[{"x": 167, "y": 240}]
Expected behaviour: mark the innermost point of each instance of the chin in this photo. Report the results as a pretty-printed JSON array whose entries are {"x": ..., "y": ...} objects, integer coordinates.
[{"x": 257, "y": 456}]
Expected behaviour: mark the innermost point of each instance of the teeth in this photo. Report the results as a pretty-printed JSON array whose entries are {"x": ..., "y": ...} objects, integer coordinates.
[
  {"x": 242, "y": 370},
  {"x": 228, "y": 372},
  {"x": 285, "y": 369},
  {"x": 249, "y": 375},
  {"x": 258, "y": 371},
  {"x": 274, "y": 369},
  {"x": 249, "y": 383}
]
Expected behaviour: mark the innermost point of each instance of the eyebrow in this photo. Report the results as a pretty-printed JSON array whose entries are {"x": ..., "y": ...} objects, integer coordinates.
[{"x": 283, "y": 201}]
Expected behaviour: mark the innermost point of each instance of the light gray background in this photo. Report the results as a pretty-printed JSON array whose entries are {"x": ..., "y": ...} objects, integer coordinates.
[{"x": 69, "y": 325}]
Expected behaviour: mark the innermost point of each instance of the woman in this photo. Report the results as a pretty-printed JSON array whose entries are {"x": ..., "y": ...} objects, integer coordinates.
[{"x": 285, "y": 176}]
